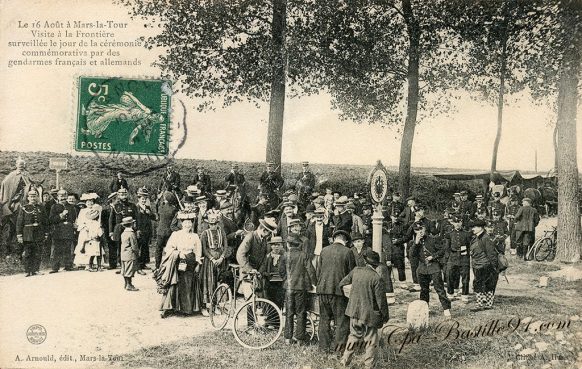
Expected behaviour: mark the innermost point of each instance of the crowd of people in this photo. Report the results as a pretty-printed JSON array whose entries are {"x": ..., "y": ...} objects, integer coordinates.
[{"x": 302, "y": 242}]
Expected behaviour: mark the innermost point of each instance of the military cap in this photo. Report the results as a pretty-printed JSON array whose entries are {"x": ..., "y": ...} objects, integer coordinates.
[{"x": 294, "y": 222}]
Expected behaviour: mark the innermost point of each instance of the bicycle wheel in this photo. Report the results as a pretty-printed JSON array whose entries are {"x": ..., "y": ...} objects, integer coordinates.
[
  {"x": 221, "y": 306},
  {"x": 257, "y": 324},
  {"x": 544, "y": 249},
  {"x": 531, "y": 251}
]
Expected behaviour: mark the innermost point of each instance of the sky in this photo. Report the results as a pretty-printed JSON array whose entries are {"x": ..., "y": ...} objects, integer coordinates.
[{"x": 37, "y": 113}]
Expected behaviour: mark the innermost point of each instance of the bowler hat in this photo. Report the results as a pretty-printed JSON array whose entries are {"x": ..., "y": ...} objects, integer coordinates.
[
  {"x": 188, "y": 199},
  {"x": 341, "y": 232},
  {"x": 356, "y": 236},
  {"x": 310, "y": 208},
  {"x": 372, "y": 257}
]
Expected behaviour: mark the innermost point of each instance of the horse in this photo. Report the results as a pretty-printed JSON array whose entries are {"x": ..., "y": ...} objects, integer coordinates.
[{"x": 241, "y": 207}]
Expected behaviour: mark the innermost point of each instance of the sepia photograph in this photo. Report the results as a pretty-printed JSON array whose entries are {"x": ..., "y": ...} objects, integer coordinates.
[{"x": 290, "y": 184}]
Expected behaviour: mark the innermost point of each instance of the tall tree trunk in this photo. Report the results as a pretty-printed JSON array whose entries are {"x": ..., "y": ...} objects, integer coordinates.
[
  {"x": 501, "y": 97},
  {"x": 412, "y": 99},
  {"x": 277, "y": 102},
  {"x": 569, "y": 236},
  {"x": 555, "y": 141}
]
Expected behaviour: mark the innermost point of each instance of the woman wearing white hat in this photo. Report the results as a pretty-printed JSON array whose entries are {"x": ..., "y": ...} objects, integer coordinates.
[{"x": 89, "y": 228}]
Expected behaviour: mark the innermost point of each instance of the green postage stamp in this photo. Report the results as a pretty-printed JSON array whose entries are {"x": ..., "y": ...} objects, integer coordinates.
[{"x": 120, "y": 115}]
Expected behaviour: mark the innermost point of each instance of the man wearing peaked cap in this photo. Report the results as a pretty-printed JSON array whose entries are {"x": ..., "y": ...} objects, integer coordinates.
[
  {"x": 458, "y": 265},
  {"x": 335, "y": 262}
]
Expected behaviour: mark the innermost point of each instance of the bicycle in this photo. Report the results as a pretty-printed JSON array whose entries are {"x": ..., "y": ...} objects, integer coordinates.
[
  {"x": 545, "y": 247},
  {"x": 257, "y": 323}
]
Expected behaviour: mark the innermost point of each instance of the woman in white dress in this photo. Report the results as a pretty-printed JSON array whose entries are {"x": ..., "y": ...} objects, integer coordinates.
[{"x": 90, "y": 232}]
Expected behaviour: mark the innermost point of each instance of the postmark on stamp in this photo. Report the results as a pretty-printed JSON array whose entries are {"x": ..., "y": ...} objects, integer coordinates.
[{"x": 119, "y": 115}]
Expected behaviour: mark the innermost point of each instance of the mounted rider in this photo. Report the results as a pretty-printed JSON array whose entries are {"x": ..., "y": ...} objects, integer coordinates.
[
  {"x": 271, "y": 183},
  {"x": 305, "y": 184},
  {"x": 13, "y": 187}
]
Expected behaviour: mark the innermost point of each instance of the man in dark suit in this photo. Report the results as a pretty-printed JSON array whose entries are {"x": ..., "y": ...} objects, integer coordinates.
[
  {"x": 526, "y": 221},
  {"x": 342, "y": 219},
  {"x": 62, "y": 217},
  {"x": 118, "y": 182},
  {"x": 122, "y": 209},
  {"x": 367, "y": 309},
  {"x": 144, "y": 218},
  {"x": 407, "y": 214},
  {"x": 166, "y": 212},
  {"x": 317, "y": 234},
  {"x": 202, "y": 181},
  {"x": 335, "y": 262}
]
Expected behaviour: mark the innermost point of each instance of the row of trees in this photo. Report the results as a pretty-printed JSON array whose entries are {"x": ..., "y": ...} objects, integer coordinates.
[{"x": 391, "y": 62}]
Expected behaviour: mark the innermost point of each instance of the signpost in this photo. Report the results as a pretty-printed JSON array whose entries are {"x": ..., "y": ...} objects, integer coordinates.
[
  {"x": 378, "y": 182},
  {"x": 58, "y": 164}
]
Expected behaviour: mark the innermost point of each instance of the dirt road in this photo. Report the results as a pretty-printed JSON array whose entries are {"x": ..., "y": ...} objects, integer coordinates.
[{"x": 84, "y": 314}]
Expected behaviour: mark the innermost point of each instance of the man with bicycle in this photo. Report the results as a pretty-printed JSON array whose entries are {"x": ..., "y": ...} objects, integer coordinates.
[
  {"x": 253, "y": 251},
  {"x": 526, "y": 221}
]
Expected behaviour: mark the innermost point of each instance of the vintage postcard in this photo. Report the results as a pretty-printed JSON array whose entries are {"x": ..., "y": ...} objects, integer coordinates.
[{"x": 290, "y": 184}]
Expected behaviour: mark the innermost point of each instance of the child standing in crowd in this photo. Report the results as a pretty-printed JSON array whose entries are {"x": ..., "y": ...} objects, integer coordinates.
[
  {"x": 129, "y": 252},
  {"x": 274, "y": 290}
]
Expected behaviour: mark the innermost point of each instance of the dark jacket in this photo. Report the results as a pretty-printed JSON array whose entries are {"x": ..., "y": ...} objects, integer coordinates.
[
  {"x": 343, "y": 221},
  {"x": 143, "y": 219},
  {"x": 367, "y": 301},
  {"x": 252, "y": 252},
  {"x": 483, "y": 252},
  {"x": 166, "y": 213},
  {"x": 335, "y": 262},
  {"x": 119, "y": 211},
  {"x": 296, "y": 270},
  {"x": 32, "y": 223},
  {"x": 429, "y": 246},
  {"x": 359, "y": 256},
  {"x": 453, "y": 241},
  {"x": 311, "y": 237},
  {"x": 63, "y": 227},
  {"x": 526, "y": 219},
  {"x": 116, "y": 184}
]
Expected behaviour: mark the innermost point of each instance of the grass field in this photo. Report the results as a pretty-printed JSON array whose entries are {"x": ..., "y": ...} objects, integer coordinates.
[
  {"x": 95, "y": 173},
  {"x": 527, "y": 345}
]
